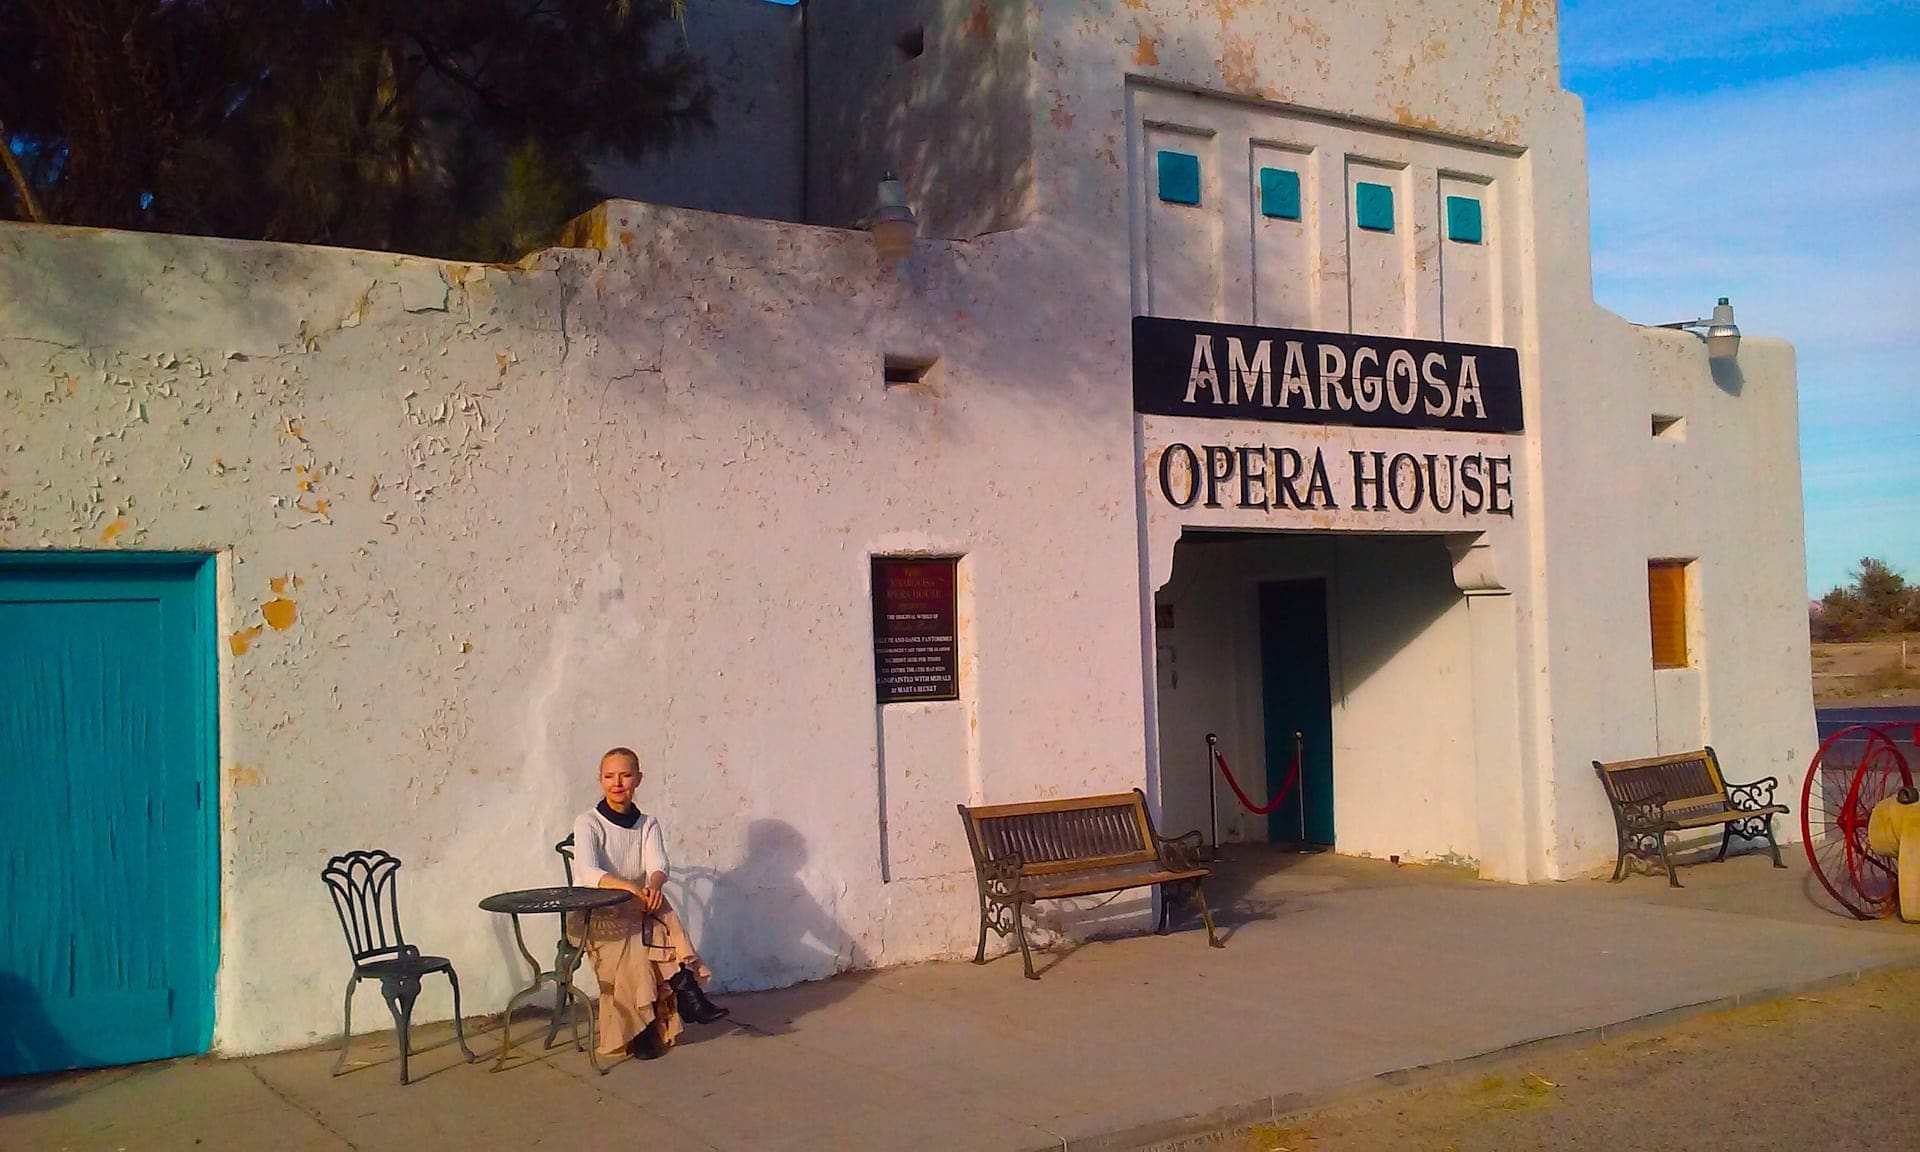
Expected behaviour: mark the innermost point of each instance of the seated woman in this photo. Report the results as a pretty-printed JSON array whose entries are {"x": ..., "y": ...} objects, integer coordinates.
[{"x": 649, "y": 974}]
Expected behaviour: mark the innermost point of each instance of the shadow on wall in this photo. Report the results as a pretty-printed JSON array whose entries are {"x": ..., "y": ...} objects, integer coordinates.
[
  {"x": 111, "y": 291},
  {"x": 1404, "y": 582},
  {"x": 29, "y": 1043},
  {"x": 1408, "y": 585},
  {"x": 757, "y": 923},
  {"x": 936, "y": 91},
  {"x": 1727, "y": 376}
]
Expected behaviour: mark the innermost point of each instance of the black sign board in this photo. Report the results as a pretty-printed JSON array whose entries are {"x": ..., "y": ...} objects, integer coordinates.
[
  {"x": 1291, "y": 376},
  {"x": 915, "y": 629}
]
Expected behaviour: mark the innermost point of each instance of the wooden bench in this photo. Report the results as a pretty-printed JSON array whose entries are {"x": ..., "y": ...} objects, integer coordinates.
[
  {"x": 1084, "y": 846},
  {"x": 1664, "y": 794}
]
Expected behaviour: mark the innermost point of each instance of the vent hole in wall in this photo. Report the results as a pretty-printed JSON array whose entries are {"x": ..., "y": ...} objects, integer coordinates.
[
  {"x": 912, "y": 43},
  {"x": 1669, "y": 427},
  {"x": 900, "y": 369}
]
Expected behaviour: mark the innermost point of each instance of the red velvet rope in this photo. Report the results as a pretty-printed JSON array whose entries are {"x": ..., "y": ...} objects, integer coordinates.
[{"x": 1293, "y": 775}]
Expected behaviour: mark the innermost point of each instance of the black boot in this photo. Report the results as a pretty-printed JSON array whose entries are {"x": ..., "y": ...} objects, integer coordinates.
[
  {"x": 647, "y": 1045},
  {"x": 692, "y": 999}
]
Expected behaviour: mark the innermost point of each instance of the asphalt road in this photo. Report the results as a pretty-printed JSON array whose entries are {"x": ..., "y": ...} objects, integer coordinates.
[
  {"x": 1836, "y": 1071},
  {"x": 1831, "y": 720}
]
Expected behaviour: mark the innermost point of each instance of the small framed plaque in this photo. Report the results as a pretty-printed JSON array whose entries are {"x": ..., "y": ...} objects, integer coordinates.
[{"x": 916, "y": 647}]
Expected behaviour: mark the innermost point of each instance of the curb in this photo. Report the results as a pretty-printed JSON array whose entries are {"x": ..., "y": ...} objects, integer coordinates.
[{"x": 1163, "y": 1135}]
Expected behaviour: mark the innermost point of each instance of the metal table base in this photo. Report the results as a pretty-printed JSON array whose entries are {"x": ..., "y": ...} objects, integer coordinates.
[{"x": 566, "y": 961}]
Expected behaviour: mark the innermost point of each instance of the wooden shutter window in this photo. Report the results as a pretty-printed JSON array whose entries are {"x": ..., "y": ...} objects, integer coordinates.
[{"x": 1667, "y": 605}]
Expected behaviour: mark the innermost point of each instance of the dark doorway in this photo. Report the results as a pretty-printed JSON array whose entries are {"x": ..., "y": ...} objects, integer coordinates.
[{"x": 1296, "y": 696}]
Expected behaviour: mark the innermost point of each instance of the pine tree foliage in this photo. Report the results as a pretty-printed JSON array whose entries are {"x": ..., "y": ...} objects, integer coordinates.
[
  {"x": 1878, "y": 602},
  {"x": 452, "y": 127}
]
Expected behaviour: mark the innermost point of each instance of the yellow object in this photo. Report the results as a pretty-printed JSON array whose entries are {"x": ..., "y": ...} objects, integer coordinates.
[{"x": 1893, "y": 829}]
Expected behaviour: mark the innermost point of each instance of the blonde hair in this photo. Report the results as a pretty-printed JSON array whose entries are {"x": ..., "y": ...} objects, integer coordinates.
[{"x": 633, "y": 757}]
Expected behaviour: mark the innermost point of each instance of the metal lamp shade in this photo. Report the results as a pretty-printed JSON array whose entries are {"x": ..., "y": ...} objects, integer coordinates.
[
  {"x": 894, "y": 224},
  {"x": 1723, "y": 335}
]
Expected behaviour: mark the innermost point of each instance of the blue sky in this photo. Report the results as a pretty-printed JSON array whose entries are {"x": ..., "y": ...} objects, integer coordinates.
[{"x": 1770, "y": 152}]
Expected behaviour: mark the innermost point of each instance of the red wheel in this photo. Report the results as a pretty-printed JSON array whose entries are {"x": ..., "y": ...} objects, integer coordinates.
[{"x": 1854, "y": 769}]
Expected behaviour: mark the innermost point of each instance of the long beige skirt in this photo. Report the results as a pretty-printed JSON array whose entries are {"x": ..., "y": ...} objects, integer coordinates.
[{"x": 634, "y": 953}]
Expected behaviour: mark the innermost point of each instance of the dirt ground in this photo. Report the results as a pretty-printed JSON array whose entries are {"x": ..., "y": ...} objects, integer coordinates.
[
  {"x": 1832, "y": 1071},
  {"x": 1867, "y": 673}
]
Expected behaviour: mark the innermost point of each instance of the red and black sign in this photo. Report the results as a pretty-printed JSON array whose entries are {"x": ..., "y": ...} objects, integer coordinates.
[{"x": 916, "y": 650}]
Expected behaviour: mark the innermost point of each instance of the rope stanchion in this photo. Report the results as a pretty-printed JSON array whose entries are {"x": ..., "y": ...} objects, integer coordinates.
[{"x": 1286, "y": 787}]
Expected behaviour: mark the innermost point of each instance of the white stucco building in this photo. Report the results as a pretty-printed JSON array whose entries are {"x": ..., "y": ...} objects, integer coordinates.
[{"x": 464, "y": 527}]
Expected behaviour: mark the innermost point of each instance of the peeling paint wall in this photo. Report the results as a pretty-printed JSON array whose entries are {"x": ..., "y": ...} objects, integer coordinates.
[
  {"x": 484, "y": 522},
  {"x": 478, "y": 523}
]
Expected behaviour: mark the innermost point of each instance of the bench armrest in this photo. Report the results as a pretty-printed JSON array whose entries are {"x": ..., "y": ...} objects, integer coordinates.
[
  {"x": 1647, "y": 815},
  {"x": 1181, "y": 853},
  {"x": 1000, "y": 879},
  {"x": 1752, "y": 796}
]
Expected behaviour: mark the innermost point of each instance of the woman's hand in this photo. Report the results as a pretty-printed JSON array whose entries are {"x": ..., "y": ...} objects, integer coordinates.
[{"x": 650, "y": 897}]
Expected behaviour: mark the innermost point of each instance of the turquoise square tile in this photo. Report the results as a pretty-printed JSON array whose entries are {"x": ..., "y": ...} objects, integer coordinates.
[
  {"x": 1463, "y": 219},
  {"x": 1373, "y": 206},
  {"x": 1179, "y": 177},
  {"x": 1280, "y": 193}
]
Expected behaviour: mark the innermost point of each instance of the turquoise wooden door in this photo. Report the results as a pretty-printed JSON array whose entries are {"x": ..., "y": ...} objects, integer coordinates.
[
  {"x": 1297, "y": 696},
  {"x": 107, "y": 753}
]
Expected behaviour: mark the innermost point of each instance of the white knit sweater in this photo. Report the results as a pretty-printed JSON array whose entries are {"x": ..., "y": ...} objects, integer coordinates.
[{"x": 600, "y": 847}]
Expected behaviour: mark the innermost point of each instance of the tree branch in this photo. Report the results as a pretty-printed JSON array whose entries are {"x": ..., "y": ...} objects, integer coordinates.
[{"x": 21, "y": 187}]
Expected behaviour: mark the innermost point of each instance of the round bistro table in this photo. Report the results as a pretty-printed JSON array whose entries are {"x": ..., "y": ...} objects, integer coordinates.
[{"x": 566, "y": 961}]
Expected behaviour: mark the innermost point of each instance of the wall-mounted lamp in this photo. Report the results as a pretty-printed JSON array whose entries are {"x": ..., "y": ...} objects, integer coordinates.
[
  {"x": 894, "y": 224},
  {"x": 1718, "y": 330}
]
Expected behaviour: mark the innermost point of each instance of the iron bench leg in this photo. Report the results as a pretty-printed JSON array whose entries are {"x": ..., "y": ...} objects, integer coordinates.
[
  {"x": 1642, "y": 843},
  {"x": 980, "y": 949},
  {"x": 1003, "y": 916},
  {"x": 1668, "y": 861},
  {"x": 1001, "y": 900},
  {"x": 1020, "y": 934},
  {"x": 1755, "y": 798},
  {"x": 1742, "y": 828},
  {"x": 1193, "y": 890},
  {"x": 1206, "y": 915},
  {"x": 1643, "y": 829}
]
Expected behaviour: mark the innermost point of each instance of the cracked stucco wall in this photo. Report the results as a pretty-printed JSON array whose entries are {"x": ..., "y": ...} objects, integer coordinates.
[
  {"x": 483, "y": 522},
  {"x": 479, "y": 523}
]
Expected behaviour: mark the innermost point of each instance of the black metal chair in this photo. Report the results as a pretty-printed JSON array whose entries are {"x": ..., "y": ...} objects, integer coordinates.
[
  {"x": 565, "y": 849},
  {"x": 365, "y": 888}
]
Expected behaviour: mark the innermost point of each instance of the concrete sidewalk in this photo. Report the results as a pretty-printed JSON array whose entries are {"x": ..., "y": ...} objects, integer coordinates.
[{"x": 1337, "y": 971}]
